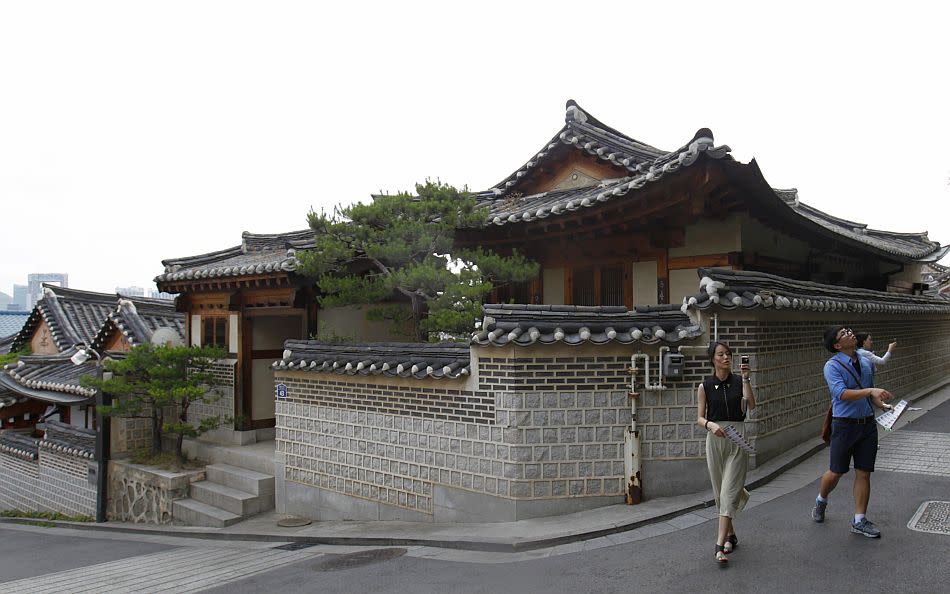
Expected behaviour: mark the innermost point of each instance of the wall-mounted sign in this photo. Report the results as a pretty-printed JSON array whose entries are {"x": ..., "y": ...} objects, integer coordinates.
[{"x": 281, "y": 392}]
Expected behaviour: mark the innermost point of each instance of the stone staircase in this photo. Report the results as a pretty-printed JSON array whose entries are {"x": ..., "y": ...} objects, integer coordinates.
[{"x": 234, "y": 487}]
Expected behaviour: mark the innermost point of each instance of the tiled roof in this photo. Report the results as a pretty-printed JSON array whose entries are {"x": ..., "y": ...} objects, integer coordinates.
[
  {"x": 402, "y": 359},
  {"x": 257, "y": 254},
  {"x": 67, "y": 439},
  {"x": 12, "y": 322},
  {"x": 20, "y": 445},
  {"x": 586, "y": 132},
  {"x": 6, "y": 343},
  {"x": 73, "y": 316},
  {"x": 912, "y": 245},
  {"x": 524, "y": 325},
  {"x": 730, "y": 289},
  {"x": 138, "y": 319},
  {"x": 504, "y": 210},
  {"x": 51, "y": 378}
]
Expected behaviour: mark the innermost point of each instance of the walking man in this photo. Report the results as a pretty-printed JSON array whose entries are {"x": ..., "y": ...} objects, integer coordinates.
[{"x": 853, "y": 429}]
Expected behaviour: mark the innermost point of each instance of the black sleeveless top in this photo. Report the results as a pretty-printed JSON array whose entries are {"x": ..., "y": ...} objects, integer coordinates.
[{"x": 724, "y": 398}]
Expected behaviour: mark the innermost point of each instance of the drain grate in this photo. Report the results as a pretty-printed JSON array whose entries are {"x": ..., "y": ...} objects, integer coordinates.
[
  {"x": 337, "y": 562},
  {"x": 295, "y": 546},
  {"x": 931, "y": 516}
]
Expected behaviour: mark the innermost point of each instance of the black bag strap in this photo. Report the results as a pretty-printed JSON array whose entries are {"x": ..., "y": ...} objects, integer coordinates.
[{"x": 851, "y": 371}]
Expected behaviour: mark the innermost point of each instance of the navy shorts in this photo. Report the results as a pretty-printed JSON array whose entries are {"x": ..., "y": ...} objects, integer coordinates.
[{"x": 853, "y": 440}]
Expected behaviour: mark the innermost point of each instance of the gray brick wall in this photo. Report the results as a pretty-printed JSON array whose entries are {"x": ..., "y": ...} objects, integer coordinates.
[
  {"x": 54, "y": 482},
  {"x": 223, "y": 407}
]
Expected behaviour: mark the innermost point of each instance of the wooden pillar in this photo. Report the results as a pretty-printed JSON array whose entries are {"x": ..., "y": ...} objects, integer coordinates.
[
  {"x": 568, "y": 286},
  {"x": 662, "y": 276}
]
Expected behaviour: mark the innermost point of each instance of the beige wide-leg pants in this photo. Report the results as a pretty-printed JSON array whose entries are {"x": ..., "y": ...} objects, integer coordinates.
[{"x": 727, "y": 469}]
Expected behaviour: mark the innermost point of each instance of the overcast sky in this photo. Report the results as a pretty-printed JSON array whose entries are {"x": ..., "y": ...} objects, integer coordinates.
[{"x": 132, "y": 132}]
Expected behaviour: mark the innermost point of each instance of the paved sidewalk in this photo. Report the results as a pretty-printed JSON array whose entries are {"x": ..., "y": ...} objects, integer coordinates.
[{"x": 608, "y": 525}]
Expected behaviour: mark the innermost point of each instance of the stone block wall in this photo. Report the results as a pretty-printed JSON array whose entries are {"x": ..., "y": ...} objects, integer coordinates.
[{"x": 54, "y": 481}]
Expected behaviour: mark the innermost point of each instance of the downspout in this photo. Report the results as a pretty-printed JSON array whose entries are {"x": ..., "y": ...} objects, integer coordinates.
[
  {"x": 631, "y": 442},
  {"x": 715, "y": 318}
]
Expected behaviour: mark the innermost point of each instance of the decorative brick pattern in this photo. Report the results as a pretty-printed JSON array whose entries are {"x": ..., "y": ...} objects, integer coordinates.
[
  {"x": 223, "y": 406},
  {"x": 422, "y": 401},
  {"x": 55, "y": 482}
]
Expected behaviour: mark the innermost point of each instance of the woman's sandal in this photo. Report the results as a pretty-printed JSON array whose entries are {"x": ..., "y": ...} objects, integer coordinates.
[
  {"x": 731, "y": 544},
  {"x": 721, "y": 555}
]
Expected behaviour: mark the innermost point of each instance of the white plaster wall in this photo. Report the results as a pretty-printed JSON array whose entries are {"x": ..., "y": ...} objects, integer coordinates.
[
  {"x": 552, "y": 282},
  {"x": 350, "y": 322},
  {"x": 644, "y": 283}
]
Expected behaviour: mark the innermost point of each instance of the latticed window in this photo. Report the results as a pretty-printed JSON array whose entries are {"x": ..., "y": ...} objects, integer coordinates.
[
  {"x": 214, "y": 331},
  {"x": 605, "y": 285}
]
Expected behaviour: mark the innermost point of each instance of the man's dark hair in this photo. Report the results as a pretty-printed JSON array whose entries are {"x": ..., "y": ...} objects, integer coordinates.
[
  {"x": 711, "y": 351},
  {"x": 831, "y": 337},
  {"x": 861, "y": 337}
]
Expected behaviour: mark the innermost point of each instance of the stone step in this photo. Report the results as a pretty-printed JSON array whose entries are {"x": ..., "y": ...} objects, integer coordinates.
[
  {"x": 258, "y": 457},
  {"x": 196, "y": 513},
  {"x": 249, "y": 481},
  {"x": 227, "y": 498}
]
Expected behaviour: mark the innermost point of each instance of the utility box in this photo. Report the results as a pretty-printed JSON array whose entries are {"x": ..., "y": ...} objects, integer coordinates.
[{"x": 672, "y": 365}]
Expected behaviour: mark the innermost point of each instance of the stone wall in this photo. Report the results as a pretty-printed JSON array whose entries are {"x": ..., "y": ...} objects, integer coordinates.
[
  {"x": 540, "y": 430},
  {"x": 54, "y": 482},
  {"x": 144, "y": 495}
]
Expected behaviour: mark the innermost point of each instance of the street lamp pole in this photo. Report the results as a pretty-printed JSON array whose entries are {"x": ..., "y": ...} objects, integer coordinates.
[{"x": 103, "y": 433}]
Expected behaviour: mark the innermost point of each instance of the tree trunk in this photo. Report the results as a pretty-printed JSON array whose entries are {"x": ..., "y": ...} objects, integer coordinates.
[
  {"x": 156, "y": 429},
  {"x": 182, "y": 418},
  {"x": 417, "y": 318}
]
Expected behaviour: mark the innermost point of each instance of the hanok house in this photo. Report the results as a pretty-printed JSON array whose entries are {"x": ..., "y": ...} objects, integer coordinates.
[
  {"x": 45, "y": 460},
  {"x": 47, "y": 382},
  {"x": 249, "y": 299},
  {"x": 572, "y": 397}
]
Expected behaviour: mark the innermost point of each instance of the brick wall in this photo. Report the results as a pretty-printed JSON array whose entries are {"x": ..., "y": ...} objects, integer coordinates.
[
  {"x": 54, "y": 482},
  {"x": 547, "y": 424},
  {"x": 223, "y": 407}
]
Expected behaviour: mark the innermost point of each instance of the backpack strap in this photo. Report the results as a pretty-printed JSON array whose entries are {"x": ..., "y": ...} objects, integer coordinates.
[{"x": 851, "y": 371}]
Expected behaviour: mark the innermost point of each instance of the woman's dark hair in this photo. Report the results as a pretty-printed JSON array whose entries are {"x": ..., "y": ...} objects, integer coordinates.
[
  {"x": 711, "y": 351},
  {"x": 861, "y": 337}
]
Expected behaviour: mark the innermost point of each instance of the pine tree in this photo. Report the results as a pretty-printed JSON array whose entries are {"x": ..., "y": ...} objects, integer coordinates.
[
  {"x": 403, "y": 245},
  {"x": 150, "y": 379}
]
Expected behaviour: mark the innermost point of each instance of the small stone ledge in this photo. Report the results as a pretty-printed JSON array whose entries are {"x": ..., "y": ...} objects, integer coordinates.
[{"x": 144, "y": 494}]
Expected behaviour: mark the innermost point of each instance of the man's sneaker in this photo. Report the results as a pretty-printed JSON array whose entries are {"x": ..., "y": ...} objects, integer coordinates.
[
  {"x": 865, "y": 528},
  {"x": 818, "y": 512}
]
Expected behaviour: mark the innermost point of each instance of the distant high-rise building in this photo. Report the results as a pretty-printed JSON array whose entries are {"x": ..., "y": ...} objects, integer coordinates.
[
  {"x": 130, "y": 291},
  {"x": 154, "y": 294},
  {"x": 35, "y": 284},
  {"x": 21, "y": 297}
]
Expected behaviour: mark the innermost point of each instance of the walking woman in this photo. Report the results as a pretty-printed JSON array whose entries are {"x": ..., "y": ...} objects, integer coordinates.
[{"x": 723, "y": 400}]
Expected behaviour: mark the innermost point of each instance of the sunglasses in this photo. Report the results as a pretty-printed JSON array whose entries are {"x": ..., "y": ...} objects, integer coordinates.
[{"x": 845, "y": 332}]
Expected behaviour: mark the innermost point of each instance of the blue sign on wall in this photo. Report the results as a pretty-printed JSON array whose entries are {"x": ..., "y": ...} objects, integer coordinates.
[{"x": 281, "y": 392}]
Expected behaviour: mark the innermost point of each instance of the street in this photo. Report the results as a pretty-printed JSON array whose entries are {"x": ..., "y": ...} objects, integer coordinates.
[{"x": 780, "y": 549}]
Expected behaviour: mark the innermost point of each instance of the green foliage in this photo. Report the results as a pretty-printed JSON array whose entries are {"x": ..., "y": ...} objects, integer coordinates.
[
  {"x": 14, "y": 356},
  {"x": 163, "y": 460},
  {"x": 151, "y": 379},
  {"x": 399, "y": 245},
  {"x": 16, "y": 513}
]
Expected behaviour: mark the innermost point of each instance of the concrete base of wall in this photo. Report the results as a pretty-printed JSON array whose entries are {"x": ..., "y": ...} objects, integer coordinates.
[
  {"x": 449, "y": 505},
  {"x": 233, "y": 437},
  {"x": 669, "y": 478}
]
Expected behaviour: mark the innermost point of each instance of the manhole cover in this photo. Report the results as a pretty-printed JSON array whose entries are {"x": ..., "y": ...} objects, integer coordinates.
[
  {"x": 293, "y": 522},
  {"x": 932, "y": 516},
  {"x": 337, "y": 562},
  {"x": 295, "y": 546}
]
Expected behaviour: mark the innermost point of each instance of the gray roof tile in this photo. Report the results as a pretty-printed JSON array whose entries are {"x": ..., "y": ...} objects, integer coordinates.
[
  {"x": 731, "y": 289},
  {"x": 257, "y": 254},
  {"x": 524, "y": 325},
  {"x": 394, "y": 359}
]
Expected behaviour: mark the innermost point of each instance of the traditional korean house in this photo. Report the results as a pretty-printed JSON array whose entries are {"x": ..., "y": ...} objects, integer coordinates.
[
  {"x": 47, "y": 381},
  {"x": 249, "y": 299},
  {"x": 615, "y": 221},
  {"x": 579, "y": 389}
]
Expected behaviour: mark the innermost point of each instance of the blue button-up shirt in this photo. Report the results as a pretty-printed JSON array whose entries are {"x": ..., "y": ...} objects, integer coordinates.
[{"x": 840, "y": 379}]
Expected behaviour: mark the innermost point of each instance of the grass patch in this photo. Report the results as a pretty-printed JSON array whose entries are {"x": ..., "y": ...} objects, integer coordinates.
[
  {"x": 16, "y": 513},
  {"x": 163, "y": 460}
]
